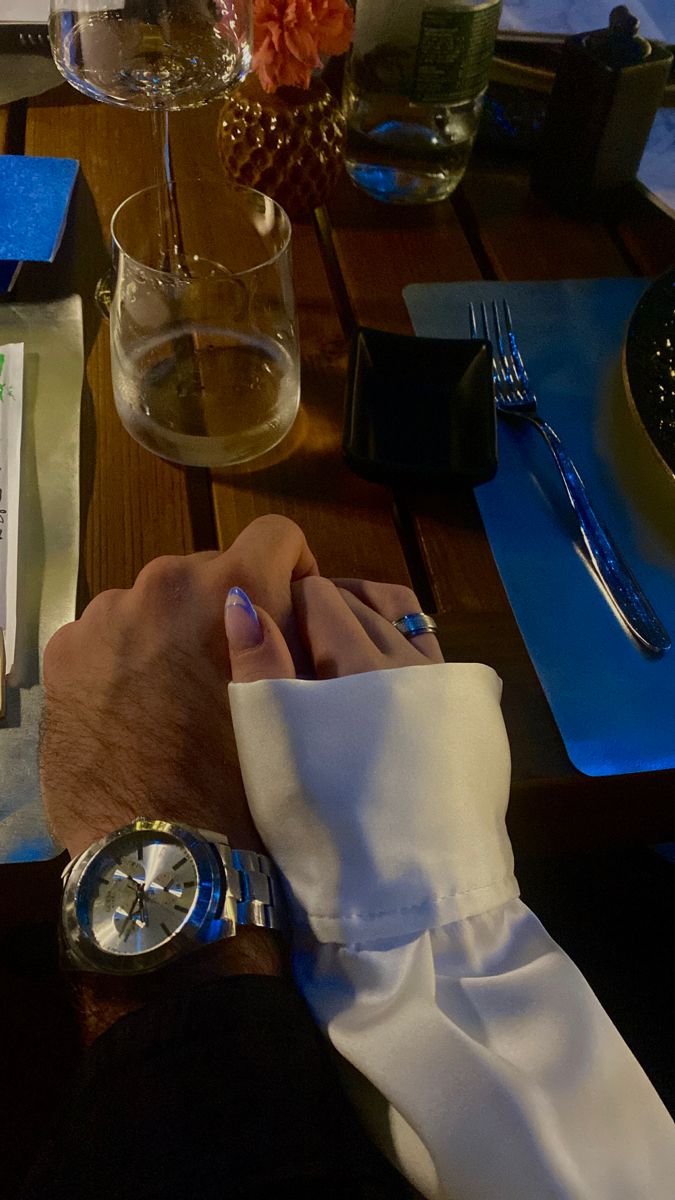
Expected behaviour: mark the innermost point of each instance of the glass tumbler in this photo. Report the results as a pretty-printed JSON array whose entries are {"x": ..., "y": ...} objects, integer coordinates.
[{"x": 205, "y": 357}]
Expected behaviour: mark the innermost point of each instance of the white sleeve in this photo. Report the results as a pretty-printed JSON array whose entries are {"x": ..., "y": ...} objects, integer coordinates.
[{"x": 495, "y": 1073}]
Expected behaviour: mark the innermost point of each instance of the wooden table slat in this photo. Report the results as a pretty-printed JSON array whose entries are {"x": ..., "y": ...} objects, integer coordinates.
[
  {"x": 349, "y": 522},
  {"x": 4, "y": 129},
  {"x": 379, "y": 248},
  {"x": 135, "y": 506},
  {"x": 526, "y": 239},
  {"x": 648, "y": 234}
]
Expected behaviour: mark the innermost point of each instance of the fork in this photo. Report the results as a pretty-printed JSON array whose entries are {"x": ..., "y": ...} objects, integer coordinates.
[{"x": 515, "y": 397}]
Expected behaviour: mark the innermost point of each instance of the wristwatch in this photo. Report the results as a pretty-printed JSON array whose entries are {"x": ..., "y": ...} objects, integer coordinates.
[{"x": 153, "y": 891}]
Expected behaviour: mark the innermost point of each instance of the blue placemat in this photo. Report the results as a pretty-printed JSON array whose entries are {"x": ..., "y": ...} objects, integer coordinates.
[{"x": 614, "y": 706}]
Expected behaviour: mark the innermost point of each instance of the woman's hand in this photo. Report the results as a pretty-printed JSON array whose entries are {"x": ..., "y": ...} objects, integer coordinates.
[{"x": 346, "y": 626}]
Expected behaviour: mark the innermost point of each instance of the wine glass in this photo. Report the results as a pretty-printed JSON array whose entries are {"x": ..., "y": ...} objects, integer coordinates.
[{"x": 154, "y": 55}]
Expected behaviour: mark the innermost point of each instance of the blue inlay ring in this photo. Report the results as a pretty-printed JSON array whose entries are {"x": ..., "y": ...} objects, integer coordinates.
[{"x": 412, "y": 624}]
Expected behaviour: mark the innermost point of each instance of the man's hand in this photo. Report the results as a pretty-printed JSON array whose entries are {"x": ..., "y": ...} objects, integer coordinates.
[{"x": 136, "y": 717}]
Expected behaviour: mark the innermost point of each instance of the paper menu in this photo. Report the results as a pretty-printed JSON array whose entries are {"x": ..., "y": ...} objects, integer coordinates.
[
  {"x": 11, "y": 409},
  {"x": 36, "y": 12}
]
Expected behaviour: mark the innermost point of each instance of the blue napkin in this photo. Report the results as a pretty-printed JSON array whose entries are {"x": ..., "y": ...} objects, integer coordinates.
[
  {"x": 35, "y": 195},
  {"x": 614, "y": 705}
]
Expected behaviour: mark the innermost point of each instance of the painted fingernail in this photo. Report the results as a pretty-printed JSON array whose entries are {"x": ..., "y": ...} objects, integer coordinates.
[{"x": 242, "y": 626}]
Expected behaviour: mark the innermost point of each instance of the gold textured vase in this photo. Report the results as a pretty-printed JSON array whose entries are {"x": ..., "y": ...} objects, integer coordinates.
[{"x": 288, "y": 144}]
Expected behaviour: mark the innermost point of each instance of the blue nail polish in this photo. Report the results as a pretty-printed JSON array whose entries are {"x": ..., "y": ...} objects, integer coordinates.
[
  {"x": 242, "y": 626},
  {"x": 237, "y": 598}
]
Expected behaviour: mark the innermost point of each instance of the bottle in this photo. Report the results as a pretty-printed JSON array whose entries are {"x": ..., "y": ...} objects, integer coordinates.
[
  {"x": 413, "y": 94},
  {"x": 607, "y": 89}
]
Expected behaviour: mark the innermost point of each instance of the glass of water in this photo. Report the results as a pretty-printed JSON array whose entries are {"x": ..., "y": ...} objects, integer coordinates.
[
  {"x": 205, "y": 357},
  {"x": 413, "y": 95}
]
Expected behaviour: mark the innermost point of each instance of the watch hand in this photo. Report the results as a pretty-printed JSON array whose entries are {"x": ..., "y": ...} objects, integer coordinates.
[
  {"x": 130, "y": 915},
  {"x": 124, "y": 931},
  {"x": 120, "y": 874}
]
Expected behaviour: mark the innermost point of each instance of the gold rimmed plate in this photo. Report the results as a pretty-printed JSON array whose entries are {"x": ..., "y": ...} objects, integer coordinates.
[{"x": 649, "y": 366}]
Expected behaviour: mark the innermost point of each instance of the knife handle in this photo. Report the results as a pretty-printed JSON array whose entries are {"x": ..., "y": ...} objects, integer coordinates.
[{"x": 619, "y": 582}]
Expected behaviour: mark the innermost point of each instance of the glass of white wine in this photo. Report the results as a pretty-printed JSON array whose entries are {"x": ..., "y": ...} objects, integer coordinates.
[{"x": 154, "y": 55}]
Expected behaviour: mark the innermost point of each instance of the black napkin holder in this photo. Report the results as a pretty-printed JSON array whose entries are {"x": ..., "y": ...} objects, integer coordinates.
[{"x": 420, "y": 409}]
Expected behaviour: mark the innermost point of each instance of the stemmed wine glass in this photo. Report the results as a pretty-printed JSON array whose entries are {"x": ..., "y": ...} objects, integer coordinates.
[{"x": 154, "y": 55}]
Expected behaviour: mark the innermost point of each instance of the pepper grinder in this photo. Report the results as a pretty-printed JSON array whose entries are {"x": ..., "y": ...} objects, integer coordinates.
[{"x": 605, "y": 96}]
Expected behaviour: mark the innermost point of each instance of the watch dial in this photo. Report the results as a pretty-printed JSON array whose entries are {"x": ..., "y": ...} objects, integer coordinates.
[{"x": 138, "y": 892}]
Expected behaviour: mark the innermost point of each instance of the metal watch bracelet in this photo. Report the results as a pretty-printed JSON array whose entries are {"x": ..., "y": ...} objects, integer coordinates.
[{"x": 252, "y": 896}]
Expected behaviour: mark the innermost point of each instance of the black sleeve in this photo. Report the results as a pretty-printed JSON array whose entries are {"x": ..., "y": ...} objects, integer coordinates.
[{"x": 225, "y": 1090}]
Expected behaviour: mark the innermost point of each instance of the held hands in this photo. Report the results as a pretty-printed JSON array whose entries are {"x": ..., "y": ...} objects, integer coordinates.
[
  {"x": 346, "y": 626},
  {"x": 136, "y": 717}
]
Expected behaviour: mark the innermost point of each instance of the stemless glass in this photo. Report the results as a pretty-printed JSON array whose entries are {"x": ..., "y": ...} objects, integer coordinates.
[{"x": 205, "y": 358}]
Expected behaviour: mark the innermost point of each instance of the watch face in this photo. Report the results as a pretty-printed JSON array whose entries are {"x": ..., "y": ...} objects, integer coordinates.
[
  {"x": 138, "y": 893},
  {"x": 139, "y": 897}
]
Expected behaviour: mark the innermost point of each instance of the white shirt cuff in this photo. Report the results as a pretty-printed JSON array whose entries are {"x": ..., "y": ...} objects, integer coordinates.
[{"x": 380, "y": 830}]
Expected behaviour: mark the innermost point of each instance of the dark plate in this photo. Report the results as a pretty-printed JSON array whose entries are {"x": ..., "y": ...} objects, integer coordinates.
[{"x": 649, "y": 365}]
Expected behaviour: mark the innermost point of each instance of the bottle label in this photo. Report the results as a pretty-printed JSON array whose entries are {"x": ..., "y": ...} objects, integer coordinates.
[{"x": 454, "y": 52}]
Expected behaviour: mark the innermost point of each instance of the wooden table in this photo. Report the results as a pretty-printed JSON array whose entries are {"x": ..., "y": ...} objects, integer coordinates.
[{"x": 351, "y": 263}]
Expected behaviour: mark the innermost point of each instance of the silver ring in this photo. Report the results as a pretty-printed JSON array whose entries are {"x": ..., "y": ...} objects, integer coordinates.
[{"x": 412, "y": 624}]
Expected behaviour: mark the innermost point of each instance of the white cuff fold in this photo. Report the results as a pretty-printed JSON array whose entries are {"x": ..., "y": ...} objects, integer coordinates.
[{"x": 381, "y": 796}]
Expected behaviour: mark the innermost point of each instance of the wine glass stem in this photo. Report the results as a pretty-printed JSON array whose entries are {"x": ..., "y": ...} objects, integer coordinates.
[{"x": 169, "y": 229}]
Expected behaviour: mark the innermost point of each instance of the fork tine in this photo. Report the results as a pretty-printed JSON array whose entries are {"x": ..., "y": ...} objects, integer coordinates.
[
  {"x": 500, "y": 337},
  {"x": 484, "y": 319},
  {"x": 515, "y": 350},
  {"x": 473, "y": 330}
]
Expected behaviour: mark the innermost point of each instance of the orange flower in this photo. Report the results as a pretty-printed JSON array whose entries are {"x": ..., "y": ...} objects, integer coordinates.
[
  {"x": 289, "y": 36},
  {"x": 335, "y": 20}
]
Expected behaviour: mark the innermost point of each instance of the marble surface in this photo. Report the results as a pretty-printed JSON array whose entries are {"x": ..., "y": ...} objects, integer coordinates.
[{"x": 657, "y": 17}]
